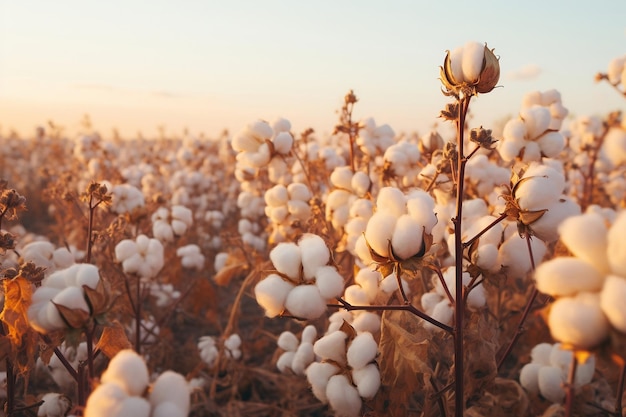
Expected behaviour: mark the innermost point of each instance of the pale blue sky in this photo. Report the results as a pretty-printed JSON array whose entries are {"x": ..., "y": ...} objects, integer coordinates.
[{"x": 210, "y": 65}]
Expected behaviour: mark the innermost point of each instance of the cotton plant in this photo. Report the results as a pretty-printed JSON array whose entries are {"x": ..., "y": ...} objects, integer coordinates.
[
  {"x": 297, "y": 353},
  {"x": 303, "y": 279},
  {"x": 590, "y": 285},
  {"x": 535, "y": 132},
  {"x": 347, "y": 372},
  {"x": 209, "y": 348},
  {"x": 125, "y": 389},
  {"x": 143, "y": 256},
  {"x": 168, "y": 224},
  {"x": 547, "y": 372},
  {"x": 285, "y": 208}
]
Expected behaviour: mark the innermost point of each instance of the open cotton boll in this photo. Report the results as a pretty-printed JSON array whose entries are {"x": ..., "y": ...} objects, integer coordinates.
[
  {"x": 541, "y": 353},
  {"x": 456, "y": 63},
  {"x": 472, "y": 61},
  {"x": 486, "y": 257},
  {"x": 299, "y": 209},
  {"x": 125, "y": 249},
  {"x": 585, "y": 371},
  {"x": 343, "y": 397},
  {"x": 283, "y": 364},
  {"x": 299, "y": 191},
  {"x": 288, "y": 341},
  {"x": 271, "y": 294},
  {"x": 315, "y": 254},
  {"x": 578, "y": 320},
  {"x": 135, "y": 407},
  {"x": 514, "y": 132},
  {"x": 105, "y": 400},
  {"x": 366, "y": 321},
  {"x": 389, "y": 284},
  {"x": 616, "y": 250},
  {"x": 442, "y": 312},
  {"x": 551, "y": 144},
  {"x": 407, "y": 239},
  {"x": 561, "y": 358},
  {"x": 429, "y": 300},
  {"x": 509, "y": 149},
  {"x": 477, "y": 297},
  {"x": 513, "y": 254},
  {"x": 171, "y": 387},
  {"x": 541, "y": 188},
  {"x": 62, "y": 258},
  {"x": 360, "y": 183},
  {"x": 550, "y": 384},
  {"x": 362, "y": 350},
  {"x": 391, "y": 200},
  {"x": 329, "y": 282},
  {"x": 332, "y": 346},
  {"x": 54, "y": 405},
  {"x": 318, "y": 374},
  {"x": 379, "y": 231},
  {"x": 72, "y": 298},
  {"x": 305, "y": 301},
  {"x": 368, "y": 280},
  {"x": 566, "y": 276},
  {"x": 341, "y": 177},
  {"x": 128, "y": 370},
  {"x": 537, "y": 120},
  {"x": 614, "y": 146},
  {"x": 276, "y": 196},
  {"x": 529, "y": 377},
  {"x": 303, "y": 357},
  {"x": 545, "y": 228},
  {"x": 168, "y": 409},
  {"x": 287, "y": 259},
  {"x": 586, "y": 237},
  {"x": 283, "y": 142},
  {"x": 86, "y": 274},
  {"x": 367, "y": 380},
  {"x": 233, "y": 342},
  {"x": 612, "y": 301}
]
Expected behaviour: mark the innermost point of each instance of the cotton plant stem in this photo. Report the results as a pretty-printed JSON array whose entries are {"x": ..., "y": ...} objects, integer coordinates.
[
  {"x": 569, "y": 387},
  {"x": 485, "y": 230}
]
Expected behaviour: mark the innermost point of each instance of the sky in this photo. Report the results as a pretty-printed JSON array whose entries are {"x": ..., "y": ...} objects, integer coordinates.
[{"x": 206, "y": 66}]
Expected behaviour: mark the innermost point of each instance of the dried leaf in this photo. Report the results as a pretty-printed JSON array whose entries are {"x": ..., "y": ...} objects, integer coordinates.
[
  {"x": 75, "y": 318},
  {"x": 113, "y": 339},
  {"x": 17, "y": 295},
  {"x": 226, "y": 274}
]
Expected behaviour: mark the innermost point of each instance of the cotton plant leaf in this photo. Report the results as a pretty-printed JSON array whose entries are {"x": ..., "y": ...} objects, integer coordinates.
[{"x": 113, "y": 339}]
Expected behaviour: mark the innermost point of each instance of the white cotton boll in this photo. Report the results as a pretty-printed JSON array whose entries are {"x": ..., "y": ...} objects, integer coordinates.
[
  {"x": 392, "y": 201},
  {"x": 429, "y": 300},
  {"x": 105, "y": 400},
  {"x": 315, "y": 254},
  {"x": 362, "y": 350},
  {"x": 233, "y": 342},
  {"x": 305, "y": 301},
  {"x": 332, "y": 346},
  {"x": 281, "y": 125},
  {"x": 551, "y": 144},
  {"x": 283, "y": 364},
  {"x": 614, "y": 146},
  {"x": 318, "y": 374},
  {"x": 379, "y": 231},
  {"x": 287, "y": 259},
  {"x": 356, "y": 295},
  {"x": 615, "y": 69},
  {"x": 367, "y": 380},
  {"x": 561, "y": 358},
  {"x": 442, "y": 312},
  {"x": 283, "y": 142},
  {"x": 368, "y": 280},
  {"x": 566, "y": 276},
  {"x": 543, "y": 186},
  {"x": 360, "y": 183},
  {"x": 43, "y": 294},
  {"x": 162, "y": 231},
  {"x": 309, "y": 334},
  {"x": 585, "y": 371},
  {"x": 133, "y": 264},
  {"x": 487, "y": 257},
  {"x": 545, "y": 228},
  {"x": 362, "y": 208},
  {"x": 341, "y": 177},
  {"x": 276, "y": 196},
  {"x": 168, "y": 409},
  {"x": 299, "y": 209},
  {"x": 456, "y": 63},
  {"x": 135, "y": 407},
  {"x": 49, "y": 318},
  {"x": 329, "y": 282},
  {"x": 550, "y": 384},
  {"x": 513, "y": 255},
  {"x": 288, "y": 341},
  {"x": 125, "y": 249},
  {"x": 260, "y": 129},
  {"x": 343, "y": 397},
  {"x": 586, "y": 237},
  {"x": 389, "y": 284},
  {"x": 362, "y": 251},
  {"x": 171, "y": 387},
  {"x": 271, "y": 294},
  {"x": 578, "y": 321},
  {"x": 541, "y": 353},
  {"x": 532, "y": 152},
  {"x": 514, "y": 131},
  {"x": 472, "y": 61},
  {"x": 510, "y": 149},
  {"x": 277, "y": 214},
  {"x": 616, "y": 250},
  {"x": 244, "y": 142},
  {"x": 128, "y": 370},
  {"x": 182, "y": 214},
  {"x": 57, "y": 279},
  {"x": 87, "y": 274},
  {"x": 299, "y": 191},
  {"x": 407, "y": 239},
  {"x": 537, "y": 120},
  {"x": 179, "y": 227},
  {"x": 612, "y": 301},
  {"x": 529, "y": 377},
  {"x": 62, "y": 258},
  {"x": 477, "y": 298},
  {"x": 54, "y": 405},
  {"x": 303, "y": 357},
  {"x": 72, "y": 298},
  {"x": 366, "y": 321},
  {"x": 421, "y": 207}
]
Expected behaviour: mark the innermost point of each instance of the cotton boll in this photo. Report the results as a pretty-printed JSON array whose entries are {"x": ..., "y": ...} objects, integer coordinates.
[
  {"x": 566, "y": 276},
  {"x": 50, "y": 318},
  {"x": 390, "y": 283},
  {"x": 360, "y": 183},
  {"x": 303, "y": 357},
  {"x": 550, "y": 384},
  {"x": 529, "y": 377},
  {"x": 87, "y": 274},
  {"x": 309, "y": 334},
  {"x": 585, "y": 371},
  {"x": 299, "y": 191},
  {"x": 472, "y": 61},
  {"x": 545, "y": 228},
  {"x": 586, "y": 237},
  {"x": 379, "y": 231},
  {"x": 299, "y": 209},
  {"x": 62, "y": 258},
  {"x": 283, "y": 142},
  {"x": 486, "y": 257},
  {"x": 288, "y": 341},
  {"x": 332, "y": 346},
  {"x": 72, "y": 298},
  {"x": 329, "y": 282},
  {"x": 168, "y": 409},
  {"x": 514, "y": 131},
  {"x": 341, "y": 177},
  {"x": 392, "y": 201},
  {"x": 54, "y": 405},
  {"x": 561, "y": 358},
  {"x": 362, "y": 350},
  {"x": 343, "y": 397},
  {"x": 276, "y": 196},
  {"x": 366, "y": 321},
  {"x": 477, "y": 297},
  {"x": 128, "y": 370},
  {"x": 367, "y": 380},
  {"x": 305, "y": 301},
  {"x": 541, "y": 189},
  {"x": 509, "y": 149},
  {"x": 616, "y": 251},
  {"x": 578, "y": 321},
  {"x": 551, "y": 144},
  {"x": 271, "y": 294},
  {"x": 456, "y": 64},
  {"x": 442, "y": 312},
  {"x": 318, "y": 374},
  {"x": 407, "y": 239},
  {"x": 612, "y": 301},
  {"x": 315, "y": 254},
  {"x": 171, "y": 387},
  {"x": 614, "y": 146},
  {"x": 429, "y": 300},
  {"x": 368, "y": 280},
  {"x": 537, "y": 120},
  {"x": 284, "y": 361},
  {"x": 135, "y": 407},
  {"x": 105, "y": 400},
  {"x": 233, "y": 342},
  {"x": 287, "y": 259},
  {"x": 541, "y": 353},
  {"x": 125, "y": 249},
  {"x": 513, "y": 254},
  {"x": 532, "y": 152}
]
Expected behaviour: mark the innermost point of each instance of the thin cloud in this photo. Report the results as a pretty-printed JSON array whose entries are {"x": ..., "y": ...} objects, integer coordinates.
[{"x": 527, "y": 72}]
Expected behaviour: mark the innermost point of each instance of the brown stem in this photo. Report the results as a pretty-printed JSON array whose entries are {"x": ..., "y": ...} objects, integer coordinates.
[
  {"x": 443, "y": 281},
  {"x": 589, "y": 178},
  {"x": 485, "y": 230},
  {"x": 10, "y": 404},
  {"x": 569, "y": 386}
]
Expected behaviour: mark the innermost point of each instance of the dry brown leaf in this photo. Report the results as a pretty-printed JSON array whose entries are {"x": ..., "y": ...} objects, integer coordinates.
[
  {"x": 113, "y": 339},
  {"x": 226, "y": 274}
]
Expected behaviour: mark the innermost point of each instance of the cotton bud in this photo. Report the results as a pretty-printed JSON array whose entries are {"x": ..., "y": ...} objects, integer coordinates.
[{"x": 472, "y": 66}]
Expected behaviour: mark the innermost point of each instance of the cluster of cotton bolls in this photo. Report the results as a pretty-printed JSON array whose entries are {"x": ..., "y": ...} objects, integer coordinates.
[
  {"x": 54, "y": 405},
  {"x": 485, "y": 175},
  {"x": 167, "y": 224},
  {"x": 348, "y": 186},
  {"x": 191, "y": 256},
  {"x": 209, "y": 348},
  {"x": 258, "y": 143},
  {"x": 298, "y": 354},
  {"x": 374, "y": 140},
  {"x": 252, "y": 234},
  {"x": 125, "y": 390},
  {"x": 590, "y": 285},
  {"x": 360, "y": 212},
  {"x": 400, "y": 226},
  {"x": 165, "y": 294},
  {"x": 56, "y": 369},
  {"x": 45, "y": 255},
  {"x": 287, "y": 207},
  {"x": 63, "y": 300},
  {"x": 535, "y": 132},
  {"x": 347, "y": 372},
  {"x": 303, "y": 280},
  {"x": 547, "y": 372},
  {"x": 142, "y": 256},
  {"x": 437, "y": 303},
  {"x": 401, "y": 160},
  {"x": 329, "y": 156},
  {"x": 125, "y": 198}
]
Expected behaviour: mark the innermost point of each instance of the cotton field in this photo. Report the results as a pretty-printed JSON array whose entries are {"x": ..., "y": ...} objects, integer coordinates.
[{"x": 278, "y": 272}]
